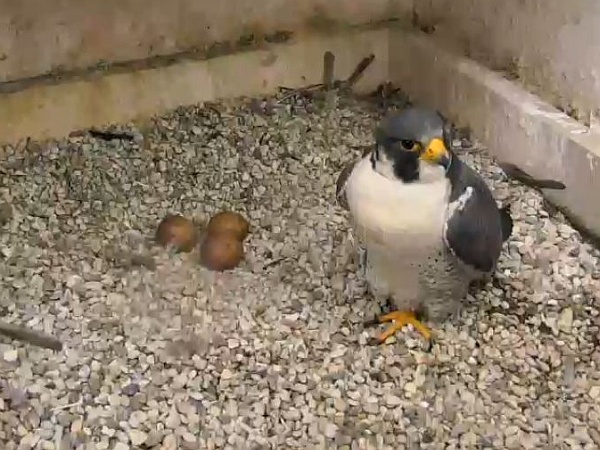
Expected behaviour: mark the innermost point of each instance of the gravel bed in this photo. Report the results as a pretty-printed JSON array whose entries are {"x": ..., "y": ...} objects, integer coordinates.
[{"x": 162, "y": 354}]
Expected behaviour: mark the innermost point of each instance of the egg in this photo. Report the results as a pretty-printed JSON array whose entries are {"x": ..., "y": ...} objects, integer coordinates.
[
  {"x": 229, "y": 221},
  {"x": 177, "y": 231},
  {"x": 221, "y": 250}
]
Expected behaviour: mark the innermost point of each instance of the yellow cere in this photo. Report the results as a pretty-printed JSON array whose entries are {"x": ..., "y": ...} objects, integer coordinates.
[{"x": 435, "y": 151}]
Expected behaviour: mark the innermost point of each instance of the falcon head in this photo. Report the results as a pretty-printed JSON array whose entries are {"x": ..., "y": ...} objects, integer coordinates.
[{"x": 412, "y": 145}]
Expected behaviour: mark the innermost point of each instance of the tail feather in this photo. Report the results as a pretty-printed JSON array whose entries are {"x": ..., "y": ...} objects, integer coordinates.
[
  {"x": 506, "y": 222},
  {"x": 520, "y": 175}
]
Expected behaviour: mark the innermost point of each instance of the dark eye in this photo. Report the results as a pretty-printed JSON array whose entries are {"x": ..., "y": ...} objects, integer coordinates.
[{"x": 408, "y": 145}]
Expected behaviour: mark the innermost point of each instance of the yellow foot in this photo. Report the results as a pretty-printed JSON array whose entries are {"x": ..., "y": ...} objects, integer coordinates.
[{"x": 401, "y": 319}]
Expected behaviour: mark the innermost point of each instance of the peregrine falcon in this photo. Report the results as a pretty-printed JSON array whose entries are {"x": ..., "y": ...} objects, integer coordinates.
[{"x": 427, "y": 221}]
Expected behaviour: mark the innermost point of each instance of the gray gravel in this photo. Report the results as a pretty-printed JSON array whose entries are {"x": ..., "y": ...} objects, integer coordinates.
[{"x": 161, "y": 354}]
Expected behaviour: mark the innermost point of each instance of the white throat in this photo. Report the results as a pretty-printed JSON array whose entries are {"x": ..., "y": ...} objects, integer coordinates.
[{"x": 388, "y": 211}]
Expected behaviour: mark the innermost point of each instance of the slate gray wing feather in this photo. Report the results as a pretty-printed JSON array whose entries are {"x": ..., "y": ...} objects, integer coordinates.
[
  {"x": 340, "y": 185},
  {"x": 475, "y": 229},
  {"x": 506, "y": 221}
]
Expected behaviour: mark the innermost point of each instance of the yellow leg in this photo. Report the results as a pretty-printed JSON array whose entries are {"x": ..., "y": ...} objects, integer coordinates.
[{"x": 401, "y": 319}]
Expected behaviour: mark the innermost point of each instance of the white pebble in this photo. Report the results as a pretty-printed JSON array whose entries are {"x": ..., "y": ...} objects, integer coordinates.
[
  {"x": 11, "y": 355},
  {"x": 137, "y": 437}
]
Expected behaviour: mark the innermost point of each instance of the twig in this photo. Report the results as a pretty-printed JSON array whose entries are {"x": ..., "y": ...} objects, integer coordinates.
[
  {"x": 274, "y": 263},
  {"x": 32, "y": 337},
  {"x": 328, "y": 69},
  {"x": 110, "y": 135},
  {"x": 358, "y": 71},
  {"x": 310, "y": 87},
  {"x": 329, "y": 82},
  {"x": 303, "y": 91},
  {"x": 67, "y": 406},
  {"x": 385, "y": 90},
  {"x": 516, "y": 173}
]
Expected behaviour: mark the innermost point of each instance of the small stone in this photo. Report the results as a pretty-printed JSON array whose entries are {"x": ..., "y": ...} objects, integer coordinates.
[
  {"x": 173, "y": 420},
  {"x": 154, "y": 438},
  {"x": 226, "y": 374},
  {"x": 131, "y": 389},
  {"x": 339, "y": 404},
  {"x": 115, "y": 400},
  {"x": 121, "y": 446},
  {"x": 30, "y": 440},
  {"x": 169, "y": 442},
  {"x": 594, "y": 392},
  {"x": 410, "y": 388},
  {"x": 11, "y": 355},
  {"x": 565, "y": 320},
  {"x": 179, "y": 381},
  {"x": 392, "y": 400},
  {"x": 77, "y": 426},
  {"x": 330, "y": 430},
  {"x": 6, "y": 213},
  {"x": 188, "y": 437},
  {"x": 137, "y": 437}
]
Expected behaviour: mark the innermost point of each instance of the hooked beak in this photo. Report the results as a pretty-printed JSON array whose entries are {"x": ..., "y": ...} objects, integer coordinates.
[{"x": 437, "y": 153}]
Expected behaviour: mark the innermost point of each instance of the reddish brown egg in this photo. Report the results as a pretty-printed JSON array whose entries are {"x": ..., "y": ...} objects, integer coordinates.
[
  {"x": 221, "y": 251},
  {"x": 229, "y": 221},
  {"x": 177, "y": 231}
]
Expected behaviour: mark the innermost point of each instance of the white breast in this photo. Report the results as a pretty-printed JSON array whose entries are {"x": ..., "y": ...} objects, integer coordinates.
[
  {"x": 396, "y": 213},
  {"x": 398, "y": 223}
]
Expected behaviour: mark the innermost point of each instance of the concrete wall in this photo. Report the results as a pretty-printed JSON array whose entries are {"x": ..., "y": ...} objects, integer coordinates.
[
  {"x": 516, "y": 126},
  {"x": 41, "y": 36},
  {"x": 550, "y": 44},
  {"x": 53, "y": 110},
  {"x": 553, "y": 45}
]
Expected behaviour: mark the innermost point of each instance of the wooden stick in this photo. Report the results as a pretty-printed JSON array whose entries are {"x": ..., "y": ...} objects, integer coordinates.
[
  {"x": 32, "y": 337},
  {"x": 358, "y": 71},
  {"x": 328, "y": 70}
]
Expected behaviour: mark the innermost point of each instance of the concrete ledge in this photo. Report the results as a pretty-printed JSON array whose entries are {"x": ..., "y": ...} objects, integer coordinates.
[
  {"x": 515, "y": 125},
  {"x": 53, "y": 111}
]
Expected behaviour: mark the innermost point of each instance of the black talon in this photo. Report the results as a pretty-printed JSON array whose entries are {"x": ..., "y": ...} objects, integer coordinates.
[
  {"x": 371, "y": 322},
  {"x": 428, "y": 346},
  {"x": 373, "y": 341}
]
